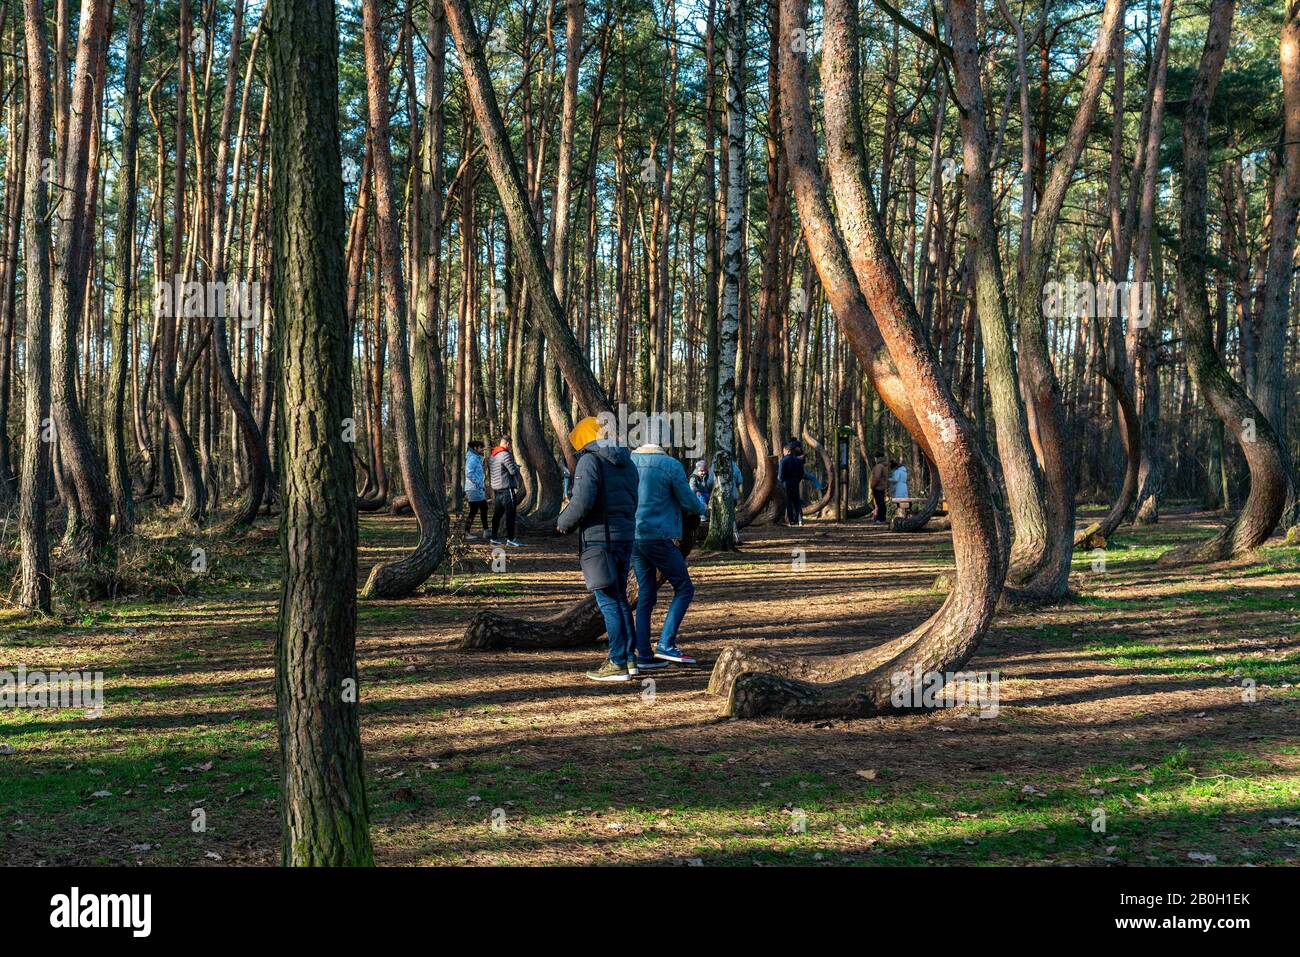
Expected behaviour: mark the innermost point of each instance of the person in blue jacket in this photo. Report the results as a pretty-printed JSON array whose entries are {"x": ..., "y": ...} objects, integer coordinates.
[
  {"x": 662, "y": 495},
  {"x": 475, "y": 492}
]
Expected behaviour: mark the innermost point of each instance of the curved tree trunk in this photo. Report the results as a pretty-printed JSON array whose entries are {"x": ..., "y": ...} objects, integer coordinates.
[
  {"x": 1228, "y": 400},
  {"x": 488, "y": 629},
  {"x": 751, "y": 509},
  {"x": 399, "y": 578},
  {"x": 542, "y": 504},
  {"x": 917, "y": 521},
  {"x": 1022, "y": 476},
  {"x": 862, "y": 683},
  {"x": 828, "y": 466}
]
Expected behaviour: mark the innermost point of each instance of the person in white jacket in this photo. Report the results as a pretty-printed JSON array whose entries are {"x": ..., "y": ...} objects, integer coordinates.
[{"x": 475, "y": 493}]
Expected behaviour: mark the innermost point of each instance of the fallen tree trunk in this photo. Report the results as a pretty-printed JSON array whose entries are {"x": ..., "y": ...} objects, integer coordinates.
[{"x": 581, "y": 623}]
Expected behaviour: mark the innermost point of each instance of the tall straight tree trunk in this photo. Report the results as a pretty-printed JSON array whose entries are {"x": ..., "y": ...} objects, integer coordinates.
[
  {"x": 88, "y": 515},
  {"x": 1142, "y": 341},
  {"x": 1046, "y": 572},
  {"x": 34, "y": 559},
  {"x": 397, "y": 579},
  {"x": 195, "y": 505},
  {"x": 1020, "y": 470},
  {"x": 119, "y": 477},
  {"x": 15, "y": 191},
  {"x": 1225, "y": 396},
  {"x": 712, "y": 264},
  {"x": 428, "y": 381},
  {"x": 1274, "y": 314},
  {"x": 254, "y": 443},
  {"x": 504, "y": 170},
  {"x": 324, "y": 814},
  {"x": 722, "y": 504}
]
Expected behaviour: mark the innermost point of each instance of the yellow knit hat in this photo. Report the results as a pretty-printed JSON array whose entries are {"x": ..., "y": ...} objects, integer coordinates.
[{"x": 585, "y": 431}]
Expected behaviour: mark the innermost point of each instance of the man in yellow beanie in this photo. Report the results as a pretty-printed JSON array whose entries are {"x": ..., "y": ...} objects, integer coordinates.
[{"x": 602, "y": 508}]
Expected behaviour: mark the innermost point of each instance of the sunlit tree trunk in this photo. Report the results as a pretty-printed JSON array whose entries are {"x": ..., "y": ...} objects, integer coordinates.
[
  {"x": 88, "y": 516},
  {"x": 124, "y": 271},
  {"x": 758, "y": 683},
  {"x": 34, "y": 557},
  {"x": 399, "y": 578},
  {"x": 324, "y": 814},
  {"x": 722, "y": 504}
]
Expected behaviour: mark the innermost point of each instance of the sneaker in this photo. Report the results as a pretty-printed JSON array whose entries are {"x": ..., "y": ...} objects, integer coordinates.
[
  {"x": 514, "y": 544},
  {"x": 496, "y": 541},
  {"x": 608, "y": 671},
  {"x": 632, "y": 669},
  {"x": 649, "y": 664},
  {"x": 675, "y": 655}
]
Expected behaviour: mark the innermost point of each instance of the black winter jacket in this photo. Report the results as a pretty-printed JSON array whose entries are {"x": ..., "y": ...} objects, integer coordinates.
[
  {"x": 790, "y": 471},
  {"x": 607, "y": 469}
]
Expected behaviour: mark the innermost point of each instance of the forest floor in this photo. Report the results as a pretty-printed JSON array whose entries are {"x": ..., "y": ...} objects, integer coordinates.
[{"x": 1128, "y": 699}]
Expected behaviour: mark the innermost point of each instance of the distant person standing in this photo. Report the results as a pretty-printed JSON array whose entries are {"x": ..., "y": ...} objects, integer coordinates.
[
  {"x": 898, "y": 479},
  {"x": 701, "y": 483},
  {"x": 603, "y": 509},
  {"x": 662, "y": 495},
  {"x": 790, "y": 474},
  {"x": 475, "y": 492},
  {"x": 504, "y": 474},
  {"x": 879, "y": 485}
]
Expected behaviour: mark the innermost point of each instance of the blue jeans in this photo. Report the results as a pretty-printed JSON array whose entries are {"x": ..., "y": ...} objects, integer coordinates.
[
  {"x": 613, "y": 605},
  {"x": 648, "y": 559}
]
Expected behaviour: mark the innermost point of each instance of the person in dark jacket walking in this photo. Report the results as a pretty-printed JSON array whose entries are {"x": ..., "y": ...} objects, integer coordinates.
[
  {"x": 790, "y": 474},
  {"x": 602, "y": 508},
  {"x": 503, "y": 472}
]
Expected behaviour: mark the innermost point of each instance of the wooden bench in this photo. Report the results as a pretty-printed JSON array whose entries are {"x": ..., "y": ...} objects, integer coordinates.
[{"x": 907, "y": 505}]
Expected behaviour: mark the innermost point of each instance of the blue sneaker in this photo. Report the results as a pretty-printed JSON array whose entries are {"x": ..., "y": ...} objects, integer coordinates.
[
  {"x": 650, "y": 664},
  {"x": 675, "y": 655}
]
